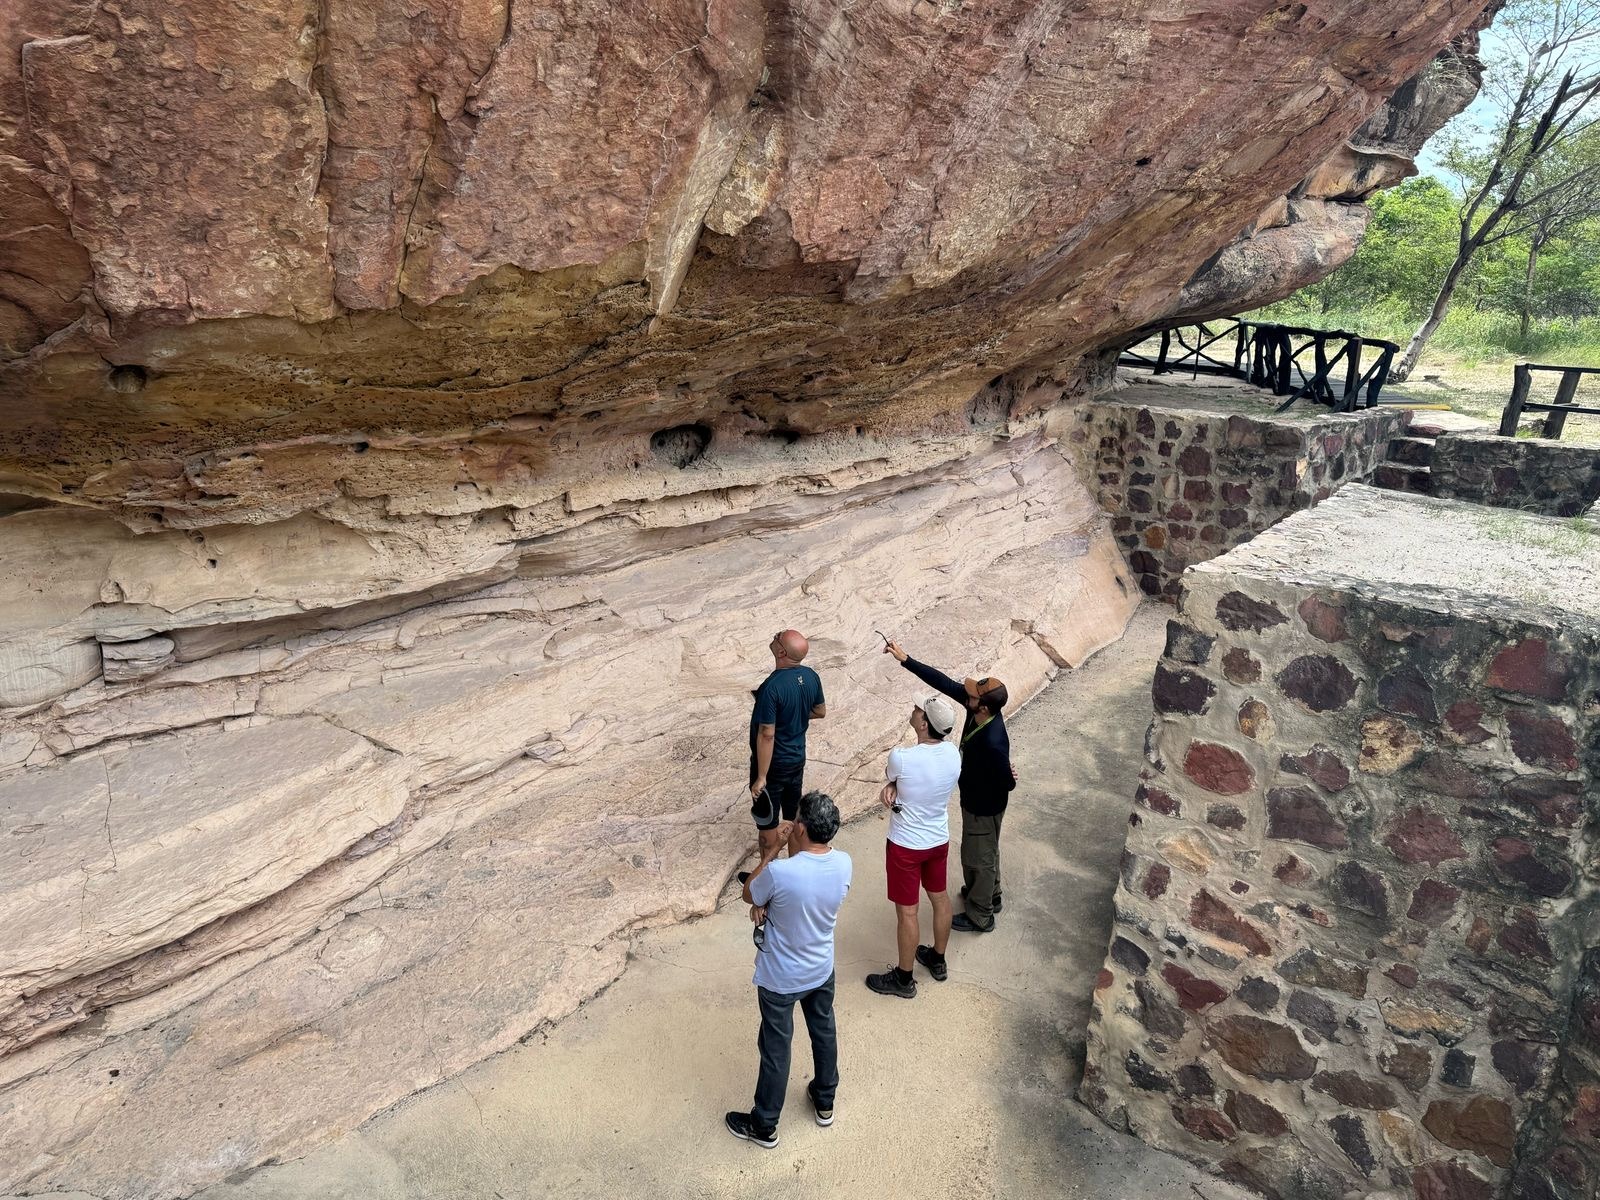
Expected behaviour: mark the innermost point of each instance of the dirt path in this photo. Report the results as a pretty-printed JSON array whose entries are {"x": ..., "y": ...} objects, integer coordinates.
[{"x": 964, "y": 1091}]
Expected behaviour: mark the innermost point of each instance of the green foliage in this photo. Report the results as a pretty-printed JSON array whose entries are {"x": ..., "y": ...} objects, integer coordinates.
[{"x": 1407, "y": 248}]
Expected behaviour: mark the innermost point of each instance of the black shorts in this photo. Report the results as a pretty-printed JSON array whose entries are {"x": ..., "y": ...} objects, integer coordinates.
[{"x": 780, "y": 800}]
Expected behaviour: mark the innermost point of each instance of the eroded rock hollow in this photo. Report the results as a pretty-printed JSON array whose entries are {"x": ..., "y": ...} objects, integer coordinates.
[{"x": 417, "y": 418}]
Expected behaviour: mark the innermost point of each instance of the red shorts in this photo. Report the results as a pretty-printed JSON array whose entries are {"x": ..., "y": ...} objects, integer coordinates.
[{"x": 910, "y": 869}]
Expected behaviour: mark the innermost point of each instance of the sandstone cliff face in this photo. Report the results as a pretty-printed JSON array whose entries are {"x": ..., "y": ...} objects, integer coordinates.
[{"x": 418, "y": 419}]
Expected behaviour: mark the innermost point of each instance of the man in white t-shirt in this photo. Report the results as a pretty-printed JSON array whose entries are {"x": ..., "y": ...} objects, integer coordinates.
[
  {"x": 921, "y": 778},
  {"x": 795, "y": 905}
]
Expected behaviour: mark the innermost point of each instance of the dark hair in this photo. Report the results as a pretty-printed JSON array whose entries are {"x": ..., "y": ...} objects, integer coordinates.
[{"x": 820, "y": 815}]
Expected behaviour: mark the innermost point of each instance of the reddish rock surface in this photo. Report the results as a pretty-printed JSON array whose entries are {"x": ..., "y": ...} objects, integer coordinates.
[{"x": 435, "y": 219}]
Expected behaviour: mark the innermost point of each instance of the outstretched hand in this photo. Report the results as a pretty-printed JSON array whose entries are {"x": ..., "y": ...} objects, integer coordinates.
[{"x": 894, "y": 649}]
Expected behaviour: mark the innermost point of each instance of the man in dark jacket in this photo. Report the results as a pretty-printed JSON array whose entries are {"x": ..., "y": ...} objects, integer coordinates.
[{"x": 985, "y": 786}]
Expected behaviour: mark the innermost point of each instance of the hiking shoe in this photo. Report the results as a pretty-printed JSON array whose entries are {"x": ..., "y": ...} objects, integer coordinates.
[
  {"x": 998, "y": 905},
  {"x": 967, "y": 925},
  {"x": 890, "y": 984},
  {"x": 740, "y": 1126},
  {"x": 934, "y": 962},
  {"x": 824, "y": 1115}
]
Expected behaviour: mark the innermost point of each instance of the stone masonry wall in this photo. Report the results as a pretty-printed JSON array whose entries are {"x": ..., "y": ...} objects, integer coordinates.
[
  {"x": 1185, "y": 483},
  {"x": 1552, "y": 478},
  {"x": 1359, "y": 881}
]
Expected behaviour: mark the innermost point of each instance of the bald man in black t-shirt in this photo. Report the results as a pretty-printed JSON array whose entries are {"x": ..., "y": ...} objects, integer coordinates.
[{"x": 787, "y": 701}]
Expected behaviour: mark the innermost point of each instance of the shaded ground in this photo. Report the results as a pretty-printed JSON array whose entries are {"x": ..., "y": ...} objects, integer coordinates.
[{"x": 966, "y": 1090}]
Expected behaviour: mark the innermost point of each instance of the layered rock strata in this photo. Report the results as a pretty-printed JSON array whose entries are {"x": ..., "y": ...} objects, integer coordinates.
[
  {"x": 1358, "y": 896},
  {"x": 334, "y": 860},
  {"x": 1189, "y": 473}
]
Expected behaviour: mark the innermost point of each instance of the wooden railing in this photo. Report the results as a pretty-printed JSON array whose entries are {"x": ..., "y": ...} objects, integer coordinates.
[
  {"x": 1555, "y": 412},
  {"x": 1274, "y": 357}
]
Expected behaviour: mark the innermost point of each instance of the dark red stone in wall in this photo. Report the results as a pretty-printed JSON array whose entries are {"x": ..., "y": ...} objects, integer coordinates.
[
  {"x": 1324, "y": 621},
  {"x": 1482, "y": 1125},
  {"x": 1218, "y": 769},
  {"x": 1156, "y": 880},
  {"x": 1448, "y": 1180},
  {"x": 1321, "y": 683},
  {"x": 1194, "y": 993},
  {"x": 1423, "y": 837},
  {"x": 1531, "y": 667},
  {"x": 1205, "y": 1123},
  {"x": 1299, "y": 814},
  {"x": 1240, "y": 666},
  {"x": 1354, "y": 1090},
  {"x": 1254, "y": 1115},
  {"x": 1542, "y": 741},
  {"x": 1519, "y": 862},
  {"x": 1433, "y": 901},
  {"x": 1208, "y": 913},
  {"x": 1261, "y": 1049},
  {"x": 1465, "y": 720},
  {"x": 1411, "y": 1065},
  {"x": 1237, "y": 611},
  {"x": 1549, "y": 800},
  {"x": 1406, "y": 692},
  {"x": 1320, "y": 765},
  {"x": 1522, "y": 937}
]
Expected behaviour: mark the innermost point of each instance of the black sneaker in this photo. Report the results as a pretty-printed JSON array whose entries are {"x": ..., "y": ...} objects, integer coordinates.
[
  {"x": 966, "y": 924},
  {"x": 998, "y": 903},
  {"x": 824, "y": 1115},
  {"x": 890, "y": 984},
  {"x": 739, "y": 1125},
  {"x": 934, "y": 962}
]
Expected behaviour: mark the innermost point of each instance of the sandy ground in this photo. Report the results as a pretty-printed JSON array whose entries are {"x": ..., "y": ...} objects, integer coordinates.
[{"x": 966, "y": 1090}]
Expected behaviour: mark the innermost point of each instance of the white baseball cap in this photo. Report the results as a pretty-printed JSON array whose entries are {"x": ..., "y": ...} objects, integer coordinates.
[{"x": 941, "y": 714}]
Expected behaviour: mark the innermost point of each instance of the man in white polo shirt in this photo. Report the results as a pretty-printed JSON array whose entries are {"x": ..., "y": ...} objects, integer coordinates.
[{"x": 921, "y": 778}]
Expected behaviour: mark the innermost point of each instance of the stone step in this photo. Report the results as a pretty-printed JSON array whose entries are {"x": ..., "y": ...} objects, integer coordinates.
[
  {"x": 1412, "y": 451},
  {"x": 1399, "y": 478}
]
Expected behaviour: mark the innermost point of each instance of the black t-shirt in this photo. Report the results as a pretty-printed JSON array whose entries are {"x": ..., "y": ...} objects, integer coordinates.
[{"x": 785, "y": 700}]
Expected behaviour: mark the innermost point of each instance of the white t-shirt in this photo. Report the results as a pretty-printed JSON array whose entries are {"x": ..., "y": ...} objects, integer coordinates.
[
  {"x": 802, "y": 895},
  {"x": 924, "y": 775}
]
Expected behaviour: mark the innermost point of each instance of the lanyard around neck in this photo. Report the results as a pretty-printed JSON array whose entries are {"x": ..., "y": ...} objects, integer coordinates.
[{"x": 974, "y": 733}]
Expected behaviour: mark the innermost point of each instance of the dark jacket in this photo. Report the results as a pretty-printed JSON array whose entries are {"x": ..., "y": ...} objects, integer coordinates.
[{"x": 986, "y": 780}]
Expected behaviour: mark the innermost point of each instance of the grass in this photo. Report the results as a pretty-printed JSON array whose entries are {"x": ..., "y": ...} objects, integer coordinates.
[{"x": 1572, "y": 536}]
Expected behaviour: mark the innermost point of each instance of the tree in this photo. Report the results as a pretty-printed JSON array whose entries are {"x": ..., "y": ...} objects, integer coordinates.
[
  {"x": 1544, "y": 86},
  {"x": 1561, "y": 210}
]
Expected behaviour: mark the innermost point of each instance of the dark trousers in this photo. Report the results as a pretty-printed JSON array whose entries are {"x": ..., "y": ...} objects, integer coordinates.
[
  {"x": 777, "y": 1031},
  {"x": 980, "y": 864}
]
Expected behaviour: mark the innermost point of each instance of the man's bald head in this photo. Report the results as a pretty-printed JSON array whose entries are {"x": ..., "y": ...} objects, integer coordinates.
[{"x": 793, "y": 644}]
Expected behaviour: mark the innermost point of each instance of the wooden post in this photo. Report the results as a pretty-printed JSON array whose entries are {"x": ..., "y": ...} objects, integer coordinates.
[
  {"x": 1239, "y": 350},
  {"x": 1281, "y": 387},
  {"x": 1521, "y": 380},
  {"x": 1556, "y": 420},
  {"x": 1352, "y": 376},
  {"x": 1319, "y": 383},
  {"x": 1380, "y": 376},
  {"x": 1161, "y": 357}
]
